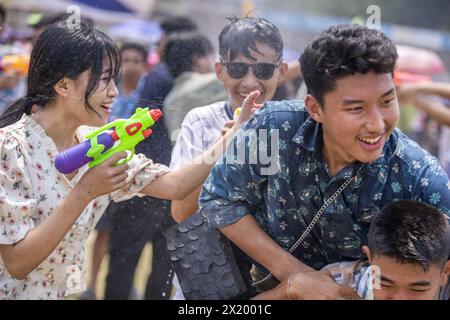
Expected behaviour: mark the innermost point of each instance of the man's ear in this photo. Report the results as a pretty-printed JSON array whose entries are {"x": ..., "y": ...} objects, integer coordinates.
[
  {"x": 218, "y": 67},
  {"x": 61, "y": 87},
  {"x": 314, "y": 108},
  {"x": 283, "y": 71},
  {"x": 445, "y": 273}
]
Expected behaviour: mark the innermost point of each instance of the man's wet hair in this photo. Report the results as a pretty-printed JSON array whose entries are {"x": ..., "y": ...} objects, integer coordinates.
[
  {"x": 240, "y": 36},
  {"x": 345, "y": 50},
  {"x": 411, "y": 232}
]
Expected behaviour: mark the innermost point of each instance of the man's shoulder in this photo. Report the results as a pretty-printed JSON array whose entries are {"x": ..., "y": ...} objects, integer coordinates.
[
  {"x": 409, "y": 151},
  {"x": 286, "y": 106},
  {"x": 290, "y": 114}
]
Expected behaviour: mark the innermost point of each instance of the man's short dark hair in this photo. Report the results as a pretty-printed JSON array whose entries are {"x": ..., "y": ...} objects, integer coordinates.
[
  {"x": 182, "y": 48},
  {"x": 135, "y": 46},
  {"x": 345, "y": 50},
  {"x": 240, "y": 36},
  {"x": 411, "y": 232},
  {"x": 178, "y": 24}
]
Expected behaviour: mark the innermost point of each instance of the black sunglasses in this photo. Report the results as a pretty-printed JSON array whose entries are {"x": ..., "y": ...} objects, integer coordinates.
[{"x": 238, "y": 70}]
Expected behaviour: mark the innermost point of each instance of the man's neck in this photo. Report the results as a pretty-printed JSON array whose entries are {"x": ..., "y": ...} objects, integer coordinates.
[{"x": 336, "y": 159}]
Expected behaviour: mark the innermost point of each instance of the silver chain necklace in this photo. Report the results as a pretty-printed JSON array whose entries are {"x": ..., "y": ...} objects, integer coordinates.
[{"x": 315, "y": 219}]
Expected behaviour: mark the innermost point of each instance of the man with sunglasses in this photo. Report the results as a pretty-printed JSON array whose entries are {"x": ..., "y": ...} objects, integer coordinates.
[
  {"x": 340, "y": 159},
  {"x": 250, "y": 59}
]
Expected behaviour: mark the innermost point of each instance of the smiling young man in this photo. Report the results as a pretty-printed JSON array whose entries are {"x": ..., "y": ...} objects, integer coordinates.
[
  {"x": 340, "y": 160},
  {"x": 251, "y": 60},
  {"x": 408, "y": 258},
  {"x": 409, "y": 243}
]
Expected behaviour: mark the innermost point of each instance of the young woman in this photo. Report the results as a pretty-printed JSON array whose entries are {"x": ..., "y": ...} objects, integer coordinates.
[{"x": 45, "y": 216}]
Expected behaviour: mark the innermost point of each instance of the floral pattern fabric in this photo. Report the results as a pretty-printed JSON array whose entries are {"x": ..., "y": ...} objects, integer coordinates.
[
  {"x": 285, "y": 202},
  {"x": 30, "y": 189}
]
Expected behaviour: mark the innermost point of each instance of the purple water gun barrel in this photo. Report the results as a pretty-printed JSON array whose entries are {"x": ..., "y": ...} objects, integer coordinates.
[{"x": 74, "y": 158}]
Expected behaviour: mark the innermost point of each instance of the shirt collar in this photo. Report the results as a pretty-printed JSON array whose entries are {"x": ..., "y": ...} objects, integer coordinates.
[
  {"x": 228, "y": 111},
  {"x": 392, "y": 148},
  {"x": 309, "y": 136}
]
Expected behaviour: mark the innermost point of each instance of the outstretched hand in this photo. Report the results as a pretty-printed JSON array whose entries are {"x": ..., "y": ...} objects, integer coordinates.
[
  {"x": 106, "y": 177},
  {"x": 249, "y": 107}
]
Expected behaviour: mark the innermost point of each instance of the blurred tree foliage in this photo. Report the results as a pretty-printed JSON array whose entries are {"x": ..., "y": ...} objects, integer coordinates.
[{"x": 433, "y": 14}]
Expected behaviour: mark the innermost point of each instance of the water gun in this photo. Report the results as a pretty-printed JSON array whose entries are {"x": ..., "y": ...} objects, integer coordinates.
[
  {"x": 101, "y": 143},
  {"x": 15, "y": 62}
]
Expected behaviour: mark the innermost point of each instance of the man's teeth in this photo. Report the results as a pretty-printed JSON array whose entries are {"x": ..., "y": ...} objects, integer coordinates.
[{"x": 370, "y": 141}]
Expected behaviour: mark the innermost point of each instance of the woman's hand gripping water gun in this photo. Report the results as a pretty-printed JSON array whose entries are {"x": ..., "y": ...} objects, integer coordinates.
[{"x": 101, "y": 143}]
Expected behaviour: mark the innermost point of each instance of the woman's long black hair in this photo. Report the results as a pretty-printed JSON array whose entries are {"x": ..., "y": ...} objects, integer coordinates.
[{"x": 64, "y": 50}]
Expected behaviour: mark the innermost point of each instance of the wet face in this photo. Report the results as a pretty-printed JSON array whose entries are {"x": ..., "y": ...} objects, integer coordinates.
[
  {"x": 238, "y": 89},
  {"x": 357, "y": 118},
  {"x": 133, "y": 64},
  {"x": 101, "y": 100},
  {"x": 409, "y": 281}
]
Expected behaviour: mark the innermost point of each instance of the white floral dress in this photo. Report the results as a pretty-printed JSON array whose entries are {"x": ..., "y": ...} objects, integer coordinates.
[{"x": 30, "y": 189}]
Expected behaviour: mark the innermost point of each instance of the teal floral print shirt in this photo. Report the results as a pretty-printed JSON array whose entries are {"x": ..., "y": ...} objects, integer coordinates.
[{"x": 285, "y": 200}]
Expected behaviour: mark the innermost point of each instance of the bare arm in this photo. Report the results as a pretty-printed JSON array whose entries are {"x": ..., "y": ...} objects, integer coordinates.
[
  {"x": 306, "y": 282},
  {"x": 425, "y": 97},
  {"x": 248, "y": 235},
  {"x": 434, "y": 108},
  {"x": 176, "y": 185},
  {"x": 436, "y": 88},
  {"x": 183, "y": 209},
  {"x": 409, "y": 91},
  {"x": 24, "y": 256}
]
